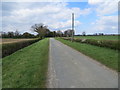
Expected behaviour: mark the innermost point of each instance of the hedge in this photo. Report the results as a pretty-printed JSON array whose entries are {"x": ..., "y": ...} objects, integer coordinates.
[
  {"x": 102, "y": 43},
  {"x": 10, "y": 48},
  {"x": 105, "y": 43}
]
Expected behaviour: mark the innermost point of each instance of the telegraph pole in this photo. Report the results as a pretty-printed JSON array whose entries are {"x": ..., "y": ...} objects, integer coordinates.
[{"x": 72, "y": 38}]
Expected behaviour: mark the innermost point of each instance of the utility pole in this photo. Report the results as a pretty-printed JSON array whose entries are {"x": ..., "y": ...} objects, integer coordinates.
[{"x": 72, "y": 38}]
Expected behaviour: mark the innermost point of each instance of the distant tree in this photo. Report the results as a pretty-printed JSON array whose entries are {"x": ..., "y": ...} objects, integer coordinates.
[
  {"x": 17, "y": 34},
  {"x": 4, "y": 34},
  {"x": 59, "y": 33},
  {"x": 27, "y": 35},
  {"x": 65, "y": 33},
  {"x": 101, "y": 34},
  {"x": 41, "y": 29},
  {"x": 68, "y": 33},
  {"x": 11, "y": 34},
  {"x": 50, "y": 34},
  {"x": 54, "y": 33},
  {"x": 84, "y": 33},
  {"x": 95, "y": 34}
]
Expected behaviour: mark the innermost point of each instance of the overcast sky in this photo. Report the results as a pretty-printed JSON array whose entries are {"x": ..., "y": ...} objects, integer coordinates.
[{"x": 91, "y": 16}]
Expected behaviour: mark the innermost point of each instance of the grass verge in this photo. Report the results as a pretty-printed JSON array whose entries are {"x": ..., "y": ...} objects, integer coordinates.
[
  {"x": 106, "y": 56},
  {"x": 26, "y": 68}
]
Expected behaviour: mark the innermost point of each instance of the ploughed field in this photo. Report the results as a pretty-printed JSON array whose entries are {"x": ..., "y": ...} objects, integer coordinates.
[
  {"x": 9, "y": 40},
  {"x": 100, "y": 37}
]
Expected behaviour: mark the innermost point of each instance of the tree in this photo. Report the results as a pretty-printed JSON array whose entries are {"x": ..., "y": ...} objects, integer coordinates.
[
  {"x": 59, "y": 33},
  {"x": 41, "y": 29},
  {"x": 50, "y": 34},
  {"x": 27, "y": 35},
  {"x": 68, "y": 33},
  {"x": 4, "y": 35},
  {"x": 101, "y": 34},
  {"x": 84, "y": 33},
  {"x": 17, "y": 34},
  {"x": 54, "y": 33},
  {"x": 11, "y": 34}
]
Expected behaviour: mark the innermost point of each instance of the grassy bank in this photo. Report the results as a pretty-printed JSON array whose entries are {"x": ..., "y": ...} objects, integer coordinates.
[
  {"x": 106, "y": 56},
  {"x": 27, "y": 67}
]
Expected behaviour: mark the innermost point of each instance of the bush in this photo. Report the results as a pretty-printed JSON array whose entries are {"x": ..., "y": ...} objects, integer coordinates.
[
  {"x": 65, "y": 38},
  {"x": 93, "y": 42},
  {"x": 102, "y": 43},
  {"x": 10, "y": 48},
  {"x": 78, "y": 40}
]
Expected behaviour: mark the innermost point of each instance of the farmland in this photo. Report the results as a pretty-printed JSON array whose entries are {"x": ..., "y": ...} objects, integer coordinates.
[
  {"x": 99, "y": 37},
  {"x": 9, "y": 40},
  {"x": 27, "y": 67},
  {"x": 57, "y": 44}
]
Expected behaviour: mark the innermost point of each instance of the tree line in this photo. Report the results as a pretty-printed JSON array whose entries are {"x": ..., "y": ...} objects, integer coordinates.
[
  {"x": 16, "y": 34},
  {"x": 42, "y": 31}
]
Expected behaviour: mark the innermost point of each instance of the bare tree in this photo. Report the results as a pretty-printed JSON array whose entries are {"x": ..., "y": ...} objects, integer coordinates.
[
  {"x": 41, "y": 29},
  {"x": 17, "y": 34}
]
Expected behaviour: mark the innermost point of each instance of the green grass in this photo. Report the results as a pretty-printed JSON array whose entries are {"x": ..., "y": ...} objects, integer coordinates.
[
  {"x": 27, "y": 68},
  {"x": 98, "y": 37},
  {"x": 0, "y": 75},
  {"x": 106, "y": 56}
]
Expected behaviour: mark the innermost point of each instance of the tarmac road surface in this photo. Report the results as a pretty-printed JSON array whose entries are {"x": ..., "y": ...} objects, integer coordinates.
[{"x": 69, "y": 68}]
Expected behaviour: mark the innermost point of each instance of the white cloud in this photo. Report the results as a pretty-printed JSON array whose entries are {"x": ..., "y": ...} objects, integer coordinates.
[
  {"x": 106, "y": 24},
  {"x": 58, "y": 16},
  {"x": 9, "y": 28},
  {"x": 107, "y": 18},
  {"x": 104, "y": 7},
  {"x": 94, "y": 2},
  {"x": 55, "y": 15},
  {"x": 63, "y": 25}
]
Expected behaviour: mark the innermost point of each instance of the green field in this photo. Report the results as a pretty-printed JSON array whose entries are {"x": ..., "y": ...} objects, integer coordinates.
[
  {"x": 27, "y": 68},
  {"x": 98, "y": 37},
  {"x": 106, "y": 56}
]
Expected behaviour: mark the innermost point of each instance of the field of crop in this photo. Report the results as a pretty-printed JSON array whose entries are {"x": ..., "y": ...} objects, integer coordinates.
[
  {"x": 104, "y": 55},
  {"x": 4, "y": 40},
  {"x": 99, "y": 37},
  {"x": 27, "y": 67}
]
